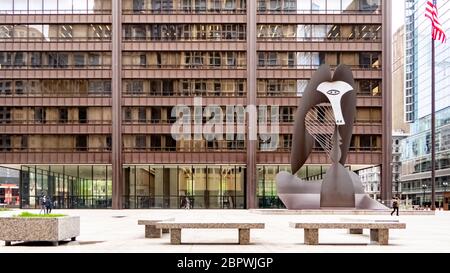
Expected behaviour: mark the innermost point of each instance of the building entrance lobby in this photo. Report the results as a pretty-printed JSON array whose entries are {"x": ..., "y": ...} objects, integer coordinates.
[{"x": 144, "y": 186}]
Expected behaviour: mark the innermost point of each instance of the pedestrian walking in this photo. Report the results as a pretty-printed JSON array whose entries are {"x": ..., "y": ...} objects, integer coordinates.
[
  {"x": 42, "y": 201},
  {"x": 395, "y": 205}
]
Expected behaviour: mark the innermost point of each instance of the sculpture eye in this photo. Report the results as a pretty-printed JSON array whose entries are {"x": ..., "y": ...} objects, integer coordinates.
[{"x": 333, "y": 92}]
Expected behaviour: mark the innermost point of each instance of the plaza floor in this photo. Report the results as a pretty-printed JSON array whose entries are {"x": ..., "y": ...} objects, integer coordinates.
[{"x": 117, "y": 231}]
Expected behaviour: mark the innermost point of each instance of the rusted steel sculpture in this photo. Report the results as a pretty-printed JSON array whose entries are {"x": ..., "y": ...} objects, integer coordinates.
[{"x": 325, "y": 115}]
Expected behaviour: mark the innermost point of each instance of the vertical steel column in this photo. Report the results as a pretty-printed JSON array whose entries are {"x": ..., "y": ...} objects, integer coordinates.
[
  {"x": 251, "y": 100},
  {"x": 386, "y": 168},
  {"x": 117, "y": 186}
]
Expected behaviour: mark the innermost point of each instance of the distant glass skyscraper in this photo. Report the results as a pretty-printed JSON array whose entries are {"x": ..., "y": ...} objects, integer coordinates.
[{"x": 416, "y": 149}]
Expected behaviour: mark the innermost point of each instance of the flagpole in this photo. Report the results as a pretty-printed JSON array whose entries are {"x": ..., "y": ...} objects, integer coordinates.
[{"x": 433, "y": 123}]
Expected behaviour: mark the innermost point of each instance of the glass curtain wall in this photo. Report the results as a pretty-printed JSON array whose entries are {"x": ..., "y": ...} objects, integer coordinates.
[
  {"x": 166, "y": 187},
  {"x": 68, "y": 186}
]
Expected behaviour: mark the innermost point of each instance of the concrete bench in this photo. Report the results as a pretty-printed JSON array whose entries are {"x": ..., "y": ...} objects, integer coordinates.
[
  {"x": 360, "y": 230},
  {"x": 379, "y": 231},
  {"x": 176, "y": 227},
  {"x": 150, "y": 230}
]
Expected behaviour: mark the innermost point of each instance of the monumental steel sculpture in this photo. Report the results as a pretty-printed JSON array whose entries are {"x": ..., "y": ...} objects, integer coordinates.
[{"x": 325, "y": 115}]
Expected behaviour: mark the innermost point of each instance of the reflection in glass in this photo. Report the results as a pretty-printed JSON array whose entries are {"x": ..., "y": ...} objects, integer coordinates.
[
  {"x": 79, "y": 6},
  {"x": 20, "y": 6},
  {"x": 6, "y": 6},
  {"x": 65, "y": 6},
  {"x": 50, "y": 6}
]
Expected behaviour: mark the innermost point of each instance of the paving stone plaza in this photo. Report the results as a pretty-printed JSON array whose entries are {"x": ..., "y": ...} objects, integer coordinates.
[{"x": 117, "y": 231}]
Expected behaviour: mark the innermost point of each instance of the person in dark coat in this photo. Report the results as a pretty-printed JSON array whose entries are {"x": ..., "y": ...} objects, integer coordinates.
[
  {"x": 48, "y": 205},
  {"x": 395, "y": 205}
]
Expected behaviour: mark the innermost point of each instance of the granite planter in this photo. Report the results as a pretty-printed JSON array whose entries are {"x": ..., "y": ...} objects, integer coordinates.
[{"x": 39, "y": 229}]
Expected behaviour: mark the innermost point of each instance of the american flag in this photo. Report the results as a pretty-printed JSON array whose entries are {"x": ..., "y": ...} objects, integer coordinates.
[{"x": 432, "y": 14}]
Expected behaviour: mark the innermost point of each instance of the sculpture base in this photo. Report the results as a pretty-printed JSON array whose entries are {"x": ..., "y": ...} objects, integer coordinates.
[{"x": 297, "y": 194}]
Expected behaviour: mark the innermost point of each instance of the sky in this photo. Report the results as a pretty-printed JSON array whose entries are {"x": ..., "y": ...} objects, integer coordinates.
[{"x": 398, "y": 14}]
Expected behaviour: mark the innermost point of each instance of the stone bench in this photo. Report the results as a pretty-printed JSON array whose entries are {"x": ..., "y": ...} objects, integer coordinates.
[
  {"x": 176, "y": 227},
  {"x": 150, "y": 230},
  {"x": 379, "y": 231},
  {"x": 360, "y": 230}
]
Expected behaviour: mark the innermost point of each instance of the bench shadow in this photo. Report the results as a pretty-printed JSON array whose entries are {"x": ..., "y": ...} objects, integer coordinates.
[
  {"x": 90, "y": 242},
  {"x": 46, "y": 243},
  {"x": 38, "y": 243},
  {"x": 212, "y": 244},
  {"x": 343, "y": 244}
]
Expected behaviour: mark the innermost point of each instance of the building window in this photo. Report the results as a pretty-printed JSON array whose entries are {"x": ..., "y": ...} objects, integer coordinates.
[
  {"x": 155, "y": 142},
  {"x": 214, "y": 59},
  {"x": 63, "y": 115},
  {"x": 200, "y": 5},
  {"x": 81, "y": 142},
  {"x": 262, "y": 5},
  {"x": 231, "y": 59},
  {"x": 39, "y": 114},
  {"x": 5, "y": 59},
  {"x": 142, "y": 114},
  {"x": 217, "y": 88},
  {"x": 141, "y": 142},
  {"x": 200, "y": 88},
  {"x": 19, "y": 89},
  {"x": 78, "y": 59},
  {"x": 19, "y": 59},
  {"x": 5, "y": 143},
  {"x": 128, "y": 117},
  {"x": 99, "y": 87},
  {"x": 108, "y": 143},
  {"x": 5, "y": 87},
  {"x": 5, "y": 114},
  {"x": 24, "y": 142},
  {"x": 167, "y": 87},
  {"x": 155, "y": 87},
  {"x": 36, "y": 59},
  {"x": 82, "y": 114},
  {"x": 138, "y": 5},
  {"x": 275, "y": 5},
  {"x": 230, "y": 4},
  {"x": 94, "y": 59},
  {"x": 143, "y": 60},
  {"x": 135, "y": 87},
  {"x": 155, "y": 114}
]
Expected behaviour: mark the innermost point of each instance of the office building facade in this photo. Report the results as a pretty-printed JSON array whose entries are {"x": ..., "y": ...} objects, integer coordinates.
[
  {"x": 416, "y": 149},
  {"x": 88, "y": 90}
]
